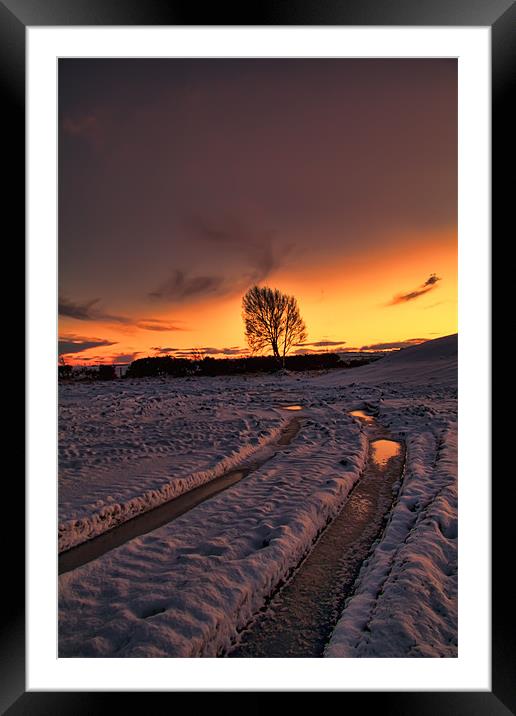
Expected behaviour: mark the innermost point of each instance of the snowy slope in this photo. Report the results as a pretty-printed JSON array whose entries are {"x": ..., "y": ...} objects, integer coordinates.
[
  {"x": 433, "y": 361},
  {"x": 405, "y": 600}
]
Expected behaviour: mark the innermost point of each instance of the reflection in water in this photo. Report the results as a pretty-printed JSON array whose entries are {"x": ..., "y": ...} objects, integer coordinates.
[
  {"x": 292, "y": 407},
  {"x": 363, "y": 416},
  {"x": 298, "y": 620},
  {"x": 383, "y": 450}
]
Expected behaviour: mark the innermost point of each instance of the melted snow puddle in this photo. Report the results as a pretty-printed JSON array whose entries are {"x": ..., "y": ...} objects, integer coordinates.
[
  {"x": 383, "y": 451},
  {"x": 362, "y": 415},
  {"x": 300, "y": 618},
  {"x": 168, "y": 511},
  {"x": 291, "y": 407}
]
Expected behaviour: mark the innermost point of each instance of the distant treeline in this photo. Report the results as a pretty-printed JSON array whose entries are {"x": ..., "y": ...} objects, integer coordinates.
[{"x": 208, "y": 366}]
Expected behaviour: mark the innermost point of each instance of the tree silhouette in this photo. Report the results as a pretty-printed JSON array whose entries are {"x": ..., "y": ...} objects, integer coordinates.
[{"x": 272, "y": 319}]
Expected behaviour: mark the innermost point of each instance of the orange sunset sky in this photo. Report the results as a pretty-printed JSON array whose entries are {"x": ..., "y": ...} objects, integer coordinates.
[{"x": 184, "y": 182}]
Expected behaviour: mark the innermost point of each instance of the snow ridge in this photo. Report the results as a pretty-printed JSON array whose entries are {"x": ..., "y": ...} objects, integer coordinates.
[
  {"x": 185, "y": 589},
  {"x": 405, "y": 600},
  {"x": 77, "y": 530}
]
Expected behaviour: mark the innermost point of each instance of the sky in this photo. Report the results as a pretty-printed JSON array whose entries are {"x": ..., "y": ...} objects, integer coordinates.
[{"x": 183, "y": 182}]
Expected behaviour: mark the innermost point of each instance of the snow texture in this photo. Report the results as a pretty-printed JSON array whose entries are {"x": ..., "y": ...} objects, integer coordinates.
[
  {"x": 405, "y": 603},
  {"x": 126, "y": 449},
  {"x": 185, "y": 588}
]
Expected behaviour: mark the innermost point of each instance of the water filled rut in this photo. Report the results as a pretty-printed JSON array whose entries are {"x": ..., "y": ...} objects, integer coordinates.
[
  {"x": 168, "y": 511},
  {"x": 300, "y": 617}
]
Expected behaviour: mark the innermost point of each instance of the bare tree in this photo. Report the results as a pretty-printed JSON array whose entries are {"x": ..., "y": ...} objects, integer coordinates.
[
  {"x": 197, "y": 353},
  {"x": 272, "y": 319}
]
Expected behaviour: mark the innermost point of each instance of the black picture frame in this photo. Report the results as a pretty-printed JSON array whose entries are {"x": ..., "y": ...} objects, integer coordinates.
[{"x": 500, "y": 16}]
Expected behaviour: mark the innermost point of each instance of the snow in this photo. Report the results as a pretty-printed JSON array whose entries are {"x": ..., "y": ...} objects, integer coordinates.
[
  {"x": 405, "y": 603},
  {"x": 124, "y": 449},
  {"x": 185, "y": 588},
  {"x": 405, "y": 600},
  {"x": 211, "y": 569},
  {"x": 431, "y": 362}
]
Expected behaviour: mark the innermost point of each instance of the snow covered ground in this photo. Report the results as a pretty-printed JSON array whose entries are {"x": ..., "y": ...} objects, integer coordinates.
[
  {"x": 127, "y": 447},
  {"x": 184, "y": 589},
  {"x": 405, "y": 600}
]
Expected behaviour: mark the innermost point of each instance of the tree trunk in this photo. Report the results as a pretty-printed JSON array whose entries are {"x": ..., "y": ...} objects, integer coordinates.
[{"x": 276, "y": 352}]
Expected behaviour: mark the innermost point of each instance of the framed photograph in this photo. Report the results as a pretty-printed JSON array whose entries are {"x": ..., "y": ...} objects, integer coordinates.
[{"x": 258, "y": 303}]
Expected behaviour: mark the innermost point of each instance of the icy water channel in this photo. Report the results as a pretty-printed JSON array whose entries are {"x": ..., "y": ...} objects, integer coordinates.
[
  {"x": 168, "y": 511},
  {"x": 300, "y": 617}
]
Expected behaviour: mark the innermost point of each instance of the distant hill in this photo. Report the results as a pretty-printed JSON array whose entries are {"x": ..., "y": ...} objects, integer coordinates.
[{"x": 432, "y": 361}]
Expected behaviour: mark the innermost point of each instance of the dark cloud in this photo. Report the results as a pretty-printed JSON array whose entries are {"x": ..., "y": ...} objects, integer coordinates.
[
  {"x": 394, "y": 345},
  {"x": 201, "y": 350},
  {"x": 236, "y": 350},
  {"x": 226, "y": 351},
  {"x": 303, "y": 351},
  {"x": 232, "y": 235},
  {"x": 124, "y": 357},
  {"x": 432, "y": 280},
  {"x": 425, "y": 287},
  {"x": 81, "y": 311},
  {"x": 250, "y": 257},
  {"x": 165, "y": 349},
  {"x": 89, "y": 311},
  {"x": 180, "y": 287},
  {"x": 322, "y": 344},
  {"x": 77, "y": 344},
  {"x": 156, "y": 324}
]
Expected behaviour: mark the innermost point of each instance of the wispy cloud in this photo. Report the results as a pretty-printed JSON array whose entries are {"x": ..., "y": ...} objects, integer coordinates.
[
  {"x": 109, "y": 359},
  {"x": 425, "y": 287},
  {"x": 322, "y": 344},
  {"x": 157, "y": 324},
  {"x": 236, "y": 350},
  {"x": 72, "y": 343},
  {"x": 180, "y": 287},
  {"x": 90, "y": 311},
  {"x": 394, "y": 345},
  {"x": 255, "y": 245},
  {"x": 200, "y": 350},
  {"x": 86, "y": 311},
  {"x": 165, "y": 350},
  {"x": 124, "y": 357},
  {"x": 255, "y": 252}
]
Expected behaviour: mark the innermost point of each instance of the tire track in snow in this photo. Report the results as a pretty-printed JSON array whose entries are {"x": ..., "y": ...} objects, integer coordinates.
[
  {"x": 303, "y": 611},
  {"x": 170, "y": 510}
]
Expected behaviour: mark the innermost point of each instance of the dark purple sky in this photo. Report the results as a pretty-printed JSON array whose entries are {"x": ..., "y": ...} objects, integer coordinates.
[{"x": 187, "y": 180}]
